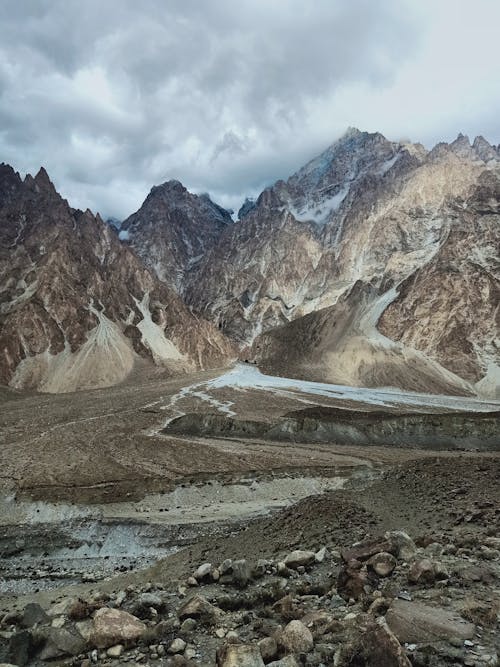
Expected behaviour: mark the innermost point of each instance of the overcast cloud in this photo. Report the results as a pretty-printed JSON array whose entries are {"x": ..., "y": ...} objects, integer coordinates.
[{"x": 113, "y": 96}]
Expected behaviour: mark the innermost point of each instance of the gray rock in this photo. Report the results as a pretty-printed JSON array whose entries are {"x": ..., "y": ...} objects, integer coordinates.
[
  {"x": 402, "y": 546},
  {"x": 321, "y": 554},
  {"x": 296, "y": 638},
  {"x": 298, "y": 558},
  {"x": 177, "y": 646},
  {"x": 268, "y": 648},
  {"x": 63, "y": 641},
  {"x": 20, "y": 648},
  {"x": 413, "y": 622},
  {"x": 188, "y": 625},
  {"x": 144, "y": 602},
  {"x": 287, "y": 661},
  {"x": 203, "y": 572},
  {"x": 33, "y": 614}
]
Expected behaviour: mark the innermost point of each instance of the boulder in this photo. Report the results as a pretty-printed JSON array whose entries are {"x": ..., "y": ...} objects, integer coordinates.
[
  {"x": 198, "y": 607},
  {"x": 144, "y": 602},
  {"x": 268, "y": 648},
  {"x": 422, "y": 572},
  {"x": 115, "y": 651},
  {"x": 382, "y": 564},
  {"x": 63, "y": 641},
  {"x": 299, "y": 558},
  {"x": 177, "y": 646},
  {"x": 372, "y": 644},
  {"x": 203, "y": 573},
  {"x": 114, "y": 626},
  {"x": 287, "y": 661},
  {"x": 321, "y": 554},
  {"x": 351, "y": 581},
  {"x": 33, "y": 614},
  {"x": 364, "y": 550},
  {"x": 239, "y": 655},
  {"x": 402, "y": 546},
  {"x": 414, "y": 622},
  {"x": 296, "y": 638}
]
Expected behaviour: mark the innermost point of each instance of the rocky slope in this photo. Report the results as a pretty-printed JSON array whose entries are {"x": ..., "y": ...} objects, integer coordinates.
[
  {"x": 436, "y": 330},
  {"x": 401, "y": 573},
  {"x": 449, "y": 308},
  {"x": 173, "y": 229},
  {"x": 77, "y": 308},
  {"x": 345, "y": 232}
]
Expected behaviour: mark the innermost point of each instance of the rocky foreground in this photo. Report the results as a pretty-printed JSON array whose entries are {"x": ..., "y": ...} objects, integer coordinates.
[
  {"x": 379, "y": 602},
  {"x": 387, "y": 600}
]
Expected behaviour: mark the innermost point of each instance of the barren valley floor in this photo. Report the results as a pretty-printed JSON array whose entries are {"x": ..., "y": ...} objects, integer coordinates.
[{"x": 144, "y": 481}]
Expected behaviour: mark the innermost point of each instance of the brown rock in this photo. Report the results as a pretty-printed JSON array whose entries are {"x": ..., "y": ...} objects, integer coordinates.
[
  {"x": 382, "y": 564},
  {"x": 352, "y": 580},
  {"x": 239, "y": 655},
  {"x": 371, "y": 643},
  {"x": 364, "y": 550},
  {"x": 113, "y": 626},
  {"x": 198, "y": 607}
]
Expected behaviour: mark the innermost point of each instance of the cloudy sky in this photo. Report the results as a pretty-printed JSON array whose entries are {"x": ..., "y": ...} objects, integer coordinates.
[{"x": 113, "y": 96}]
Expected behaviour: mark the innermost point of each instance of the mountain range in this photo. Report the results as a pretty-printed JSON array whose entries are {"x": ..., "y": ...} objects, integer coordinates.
[{"x": 375, "y": 264}]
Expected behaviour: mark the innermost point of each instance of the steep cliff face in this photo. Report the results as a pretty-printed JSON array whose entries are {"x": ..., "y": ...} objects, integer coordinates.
[
  {"x": 77, "y": 308},
  {"x": 173, "y": 230},
  {"x": 449, "y": 308},
  {"x": 279, "y": 261}
]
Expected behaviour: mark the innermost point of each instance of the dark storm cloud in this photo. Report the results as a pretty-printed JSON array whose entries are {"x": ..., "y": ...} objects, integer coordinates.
[{"x": 117, "y": 95}]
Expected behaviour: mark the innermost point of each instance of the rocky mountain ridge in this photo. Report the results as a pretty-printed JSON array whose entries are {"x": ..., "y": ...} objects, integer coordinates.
[
  {"x": 389, "y": 251},
  {"x": 78, "y": 309},
  {"x": 371, "y": 213},
  {"x": 173, "y": 230}
]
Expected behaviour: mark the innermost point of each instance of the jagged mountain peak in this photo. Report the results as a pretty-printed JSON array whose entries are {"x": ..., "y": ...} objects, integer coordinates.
[
  {"x": 484, "y": 150},
  {"x": 10, "y": 183},
  {"x": 78, "y": 309},
  {"x": 173, "y": 229},
  {"x": 172, "y": 186}
]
